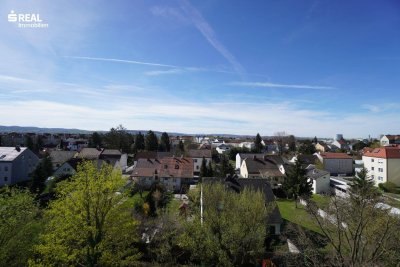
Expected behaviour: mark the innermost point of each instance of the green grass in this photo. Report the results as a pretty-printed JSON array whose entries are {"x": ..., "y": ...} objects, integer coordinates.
[
  {"x": 296, "y": 215},
  {"x": 132, "y": 200},
  {"x": 322, "y": 201}
]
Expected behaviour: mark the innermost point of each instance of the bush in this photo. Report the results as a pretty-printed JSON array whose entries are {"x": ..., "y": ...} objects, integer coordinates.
[{"x": 389, "y": 187}]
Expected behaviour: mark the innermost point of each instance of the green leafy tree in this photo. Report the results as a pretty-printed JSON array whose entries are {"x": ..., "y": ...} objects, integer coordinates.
[
  {"x": 165, "y": 144},
  {"x": 203, "y": 168},
  {"x": 258, "y": 147},
  {"x": 296, "y": 183},
  {"x": 43, "y": 171},
  {"x": 95, "y": 140},
  {"x": 19, "y": 226},
  {"x": 359, "y": 146},
  {"x": 118, "y": 138},
  {"x": 89, "y": 224},
  {"x": 139, "y": 142},
  {"x": 234, "y": 150},
  {"x": 151, "y": 141},
  {"x": 233, "y": 231}
]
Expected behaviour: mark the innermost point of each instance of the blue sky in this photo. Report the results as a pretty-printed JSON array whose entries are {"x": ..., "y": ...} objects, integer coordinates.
[{"x": 241, "y": 67}]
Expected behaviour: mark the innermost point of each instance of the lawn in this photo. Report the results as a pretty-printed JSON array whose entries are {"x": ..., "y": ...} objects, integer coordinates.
[
  {"x": 322, "y": 201},
  {"x": 296, "y": 215}
]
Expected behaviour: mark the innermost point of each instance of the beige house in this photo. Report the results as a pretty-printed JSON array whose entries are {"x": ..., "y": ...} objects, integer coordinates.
[
  {"x": 383, "y": 164},
  {"x": 336, "y": 163}
]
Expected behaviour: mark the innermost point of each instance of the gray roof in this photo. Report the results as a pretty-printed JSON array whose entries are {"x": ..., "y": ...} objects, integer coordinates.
[
  {"x": 199, "y": 153},
  {"x": 316, "y": 173},
  {"x": 10, "y": 153},
  {"x": 264, "y": 165},
  {"x": 251, "y": 155},
  {"x": 89, "y": 153},
  {"x": 111, "y": 152},
  {"x": 59, "y": 156},
  {"x": 254, "y": 184}
]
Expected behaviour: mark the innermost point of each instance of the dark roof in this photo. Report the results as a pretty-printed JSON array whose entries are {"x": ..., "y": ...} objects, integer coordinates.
[
  {"x": 316, "y": 173},
  {"x": 74, "y": 162},
  {"x": 307, "y": 159},
  {"x": 89, "y": 153},
  {"x": 111, "y": 152},
  {"x": 59, "y": 156},
  {"x": 251, "y": 155},
  {"x": 255, "y": 184},
  {"x": 264, "y": 165},
  {"x": 199, "y": 153},
  {"x": 152, "y": 155}
]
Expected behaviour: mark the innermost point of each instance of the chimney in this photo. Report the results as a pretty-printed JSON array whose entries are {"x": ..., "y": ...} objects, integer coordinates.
[
  {"x": 18, "y": 148},
  {"x": 254, "y": 157}
]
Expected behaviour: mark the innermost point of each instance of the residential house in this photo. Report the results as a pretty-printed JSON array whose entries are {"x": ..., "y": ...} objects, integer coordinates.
[
  {"x": 68, "y": 168},
  {"x": 270, "y": 167},
  {"x": 388, "y": 140},
  {"x": 321, "y": 147},
  {"x": 16, "y": 164},
  {"x": 320, "y": 180},
  {"x": 336, "y": 163},
  {"x": 223, "y": 148},
  {"x": 58, "y": 157},
  {"x": 215, "y": 143},
  {"x": 173, "y": 172},
  {"x": 274, "y": 220},
  {"x": 241, "y": 156},
  {"x": 341, "y": 144},
  {"x": 115, "y": 157},
  {"x": 383, "y": 164},
  {"x": 73, "y": 144},
  {"x": 248, "y": 145},
  {"x": 197, "y": 156},
  {"x": 306, "y": 160},
  {"x": 270, "y": 146}
]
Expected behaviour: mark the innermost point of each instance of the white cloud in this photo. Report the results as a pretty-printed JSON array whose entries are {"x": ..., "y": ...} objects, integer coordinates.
[{"x": 278, "y": 85}]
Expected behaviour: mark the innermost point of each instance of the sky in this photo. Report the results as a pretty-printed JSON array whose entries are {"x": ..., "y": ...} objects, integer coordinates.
[{"x": 309, "y": 68}]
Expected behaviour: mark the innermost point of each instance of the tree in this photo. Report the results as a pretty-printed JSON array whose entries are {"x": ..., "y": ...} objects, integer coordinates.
[
  {"x": 19, "y": 226},
  {"x": 39, "y": 144},
  {"x": 165, "y": 144},
  {"x": 95, "y": 140},
  {"x": 29, "y": 142},
  {"x": 307, "y": 148},
  {"x": 151, "y": 142},
  {"x": 235, "y": 150},
  {"x": 225, "y": 168},
  {"x": 315, "y": 141},
  {"x": 39, "y": 176},
  {"x": 139, "y": 142},
  {"x": 181, "y": 146},
  {"x": 210, "y": 171},
  {"x": 118, "y": 138},
  {"x": 292, "y": 143},
  {"x": 359, "y": 231},
  {"x": 233, "y": 231},
  {"x": 258, "y": 147},
  {"x": 89, "y": 224},
  {"x": 296, "y": 183},
  {"x": 203, "y": 168},
  {"x": 359, "y": 146}
]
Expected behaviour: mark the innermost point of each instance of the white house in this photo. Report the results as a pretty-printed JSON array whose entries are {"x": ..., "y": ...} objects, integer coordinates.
[
  {"x": 16, "y": 164},
  {"x": 248, "y": 145},
  {"x": 216, "y": 143},
  {"x": 383, "y": 164},
  {"x": 222, "y": 149},
  {"x": 241, "y": 156},
  {"x": 320, "y": 180},
  {"x": 197, "y": 156},
  {"x": 388, "y": 140},
  {"x": 336, "y": 163}
]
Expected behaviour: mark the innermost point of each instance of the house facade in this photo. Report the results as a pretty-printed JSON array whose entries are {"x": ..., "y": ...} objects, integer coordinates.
[
  {"x": 16, "y": 164},
  {"x": 241, "y": 156},
  {"x": 223, "y": 148},
  {"x": 336, "y": 163},
  {"x": 383, "y": 164},
  {"x": 197, "y": 156},
  {"x": 320, "y": 181},
  {"x": 172, "y": 172},
  {"x": 389, "y": 139}
]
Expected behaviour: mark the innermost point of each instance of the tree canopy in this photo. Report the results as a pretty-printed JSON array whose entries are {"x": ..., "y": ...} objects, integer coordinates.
[
  {"x": 165, "y": 144},
  {"x": 296, "y": 182},
  {"x": 151, "y": 141},
  {"x": 258, "y": 146},
  {"x": 88, "y": 224},
  {"x": 118, "y": 138}
]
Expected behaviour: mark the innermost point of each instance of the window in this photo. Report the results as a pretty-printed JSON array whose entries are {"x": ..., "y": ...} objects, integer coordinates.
[
  {"x": 380, "y": 178},
  {"x": 195, "y": 160},
  {"x": 380, "y": 169},
  {"x": 372, "y": 160},
  {"x": 5, "y": 178},
  {"x": 197, "y": 167},
  {"x": 165, "y": 166},
  {"x": 372, "y": 168},
  {"x": 372, "y": 176}
]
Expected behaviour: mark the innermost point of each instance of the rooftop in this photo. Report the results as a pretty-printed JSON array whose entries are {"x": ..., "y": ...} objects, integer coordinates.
[{"x": 10, "y": 153}]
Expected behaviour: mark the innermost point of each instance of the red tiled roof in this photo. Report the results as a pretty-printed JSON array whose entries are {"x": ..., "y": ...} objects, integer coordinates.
[
  {"x": 165, "y": 167},
  {"x": 329, "y": 155},
  {"x": 384, "y": 152}
]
